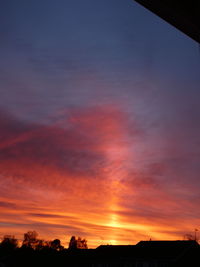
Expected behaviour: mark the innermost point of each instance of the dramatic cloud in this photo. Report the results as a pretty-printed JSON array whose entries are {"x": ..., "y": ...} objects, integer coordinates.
[
  {"x": 81, "y": 175},
  {"x": 99, "y": 123}
]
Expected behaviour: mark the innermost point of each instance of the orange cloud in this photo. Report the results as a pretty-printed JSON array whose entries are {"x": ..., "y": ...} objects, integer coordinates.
[{"x": 82, "y": 175}]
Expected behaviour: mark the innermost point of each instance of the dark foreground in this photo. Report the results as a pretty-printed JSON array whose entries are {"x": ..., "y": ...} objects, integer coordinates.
[{"x": 144, "y": 254}]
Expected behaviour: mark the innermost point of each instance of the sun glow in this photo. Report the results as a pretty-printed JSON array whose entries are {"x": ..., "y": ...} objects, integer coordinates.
[{"x": 84, "y": 187}]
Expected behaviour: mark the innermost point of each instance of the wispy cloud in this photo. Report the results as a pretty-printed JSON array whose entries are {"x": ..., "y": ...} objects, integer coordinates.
[{"x": 84, "y": 174}]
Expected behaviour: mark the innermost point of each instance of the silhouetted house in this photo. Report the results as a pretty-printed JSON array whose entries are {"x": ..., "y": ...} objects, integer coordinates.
[
  {"x": 143, "y": 254},
  {"x": 116, "y": 250},
  {"x": 166, "y": 253},
  {"x": 150, "y": 254}
]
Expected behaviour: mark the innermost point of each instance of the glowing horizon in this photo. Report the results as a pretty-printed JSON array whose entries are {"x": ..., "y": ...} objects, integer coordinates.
[
  {"x": 99, "y": 123},
  {"x": 93, "y": 199}
]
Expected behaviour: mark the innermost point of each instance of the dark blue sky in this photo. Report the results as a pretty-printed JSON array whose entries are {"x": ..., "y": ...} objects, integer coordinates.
[
  {"x": 55, "y": 54},
  {"x": 103, "y": 89}
]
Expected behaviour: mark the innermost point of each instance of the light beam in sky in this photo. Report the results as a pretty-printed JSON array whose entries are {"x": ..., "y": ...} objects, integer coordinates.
[{"x": 99, "y": 123}]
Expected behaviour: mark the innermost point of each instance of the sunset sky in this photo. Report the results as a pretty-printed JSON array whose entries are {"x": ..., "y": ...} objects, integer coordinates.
[{"x": 99, "y": 122}]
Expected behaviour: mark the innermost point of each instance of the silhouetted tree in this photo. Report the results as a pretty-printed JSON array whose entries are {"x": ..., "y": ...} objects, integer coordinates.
[
  {"x": 9, "y": 242},
  {"x": 56, "y": 244},
  {"x": 77, "y": 243},
  {"x": 30, "y": 239},
  {"x": 72, "y": 243},
  {"x": 39, "y": 245},
  {"x": 30, "y": 236}
]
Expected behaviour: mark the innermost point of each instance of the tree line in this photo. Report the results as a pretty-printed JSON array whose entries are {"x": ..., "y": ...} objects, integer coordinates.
[{"x": 32, "y": 241}]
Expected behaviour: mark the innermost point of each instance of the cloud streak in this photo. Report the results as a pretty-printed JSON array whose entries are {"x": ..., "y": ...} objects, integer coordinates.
[{"x": 81, "y": 175}]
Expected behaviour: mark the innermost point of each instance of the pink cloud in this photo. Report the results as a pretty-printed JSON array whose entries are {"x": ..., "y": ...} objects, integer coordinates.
[{"x": 85, "y": 174}]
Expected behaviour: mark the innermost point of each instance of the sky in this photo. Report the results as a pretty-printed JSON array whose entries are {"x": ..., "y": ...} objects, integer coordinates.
[{"x": 99, "y": 123}]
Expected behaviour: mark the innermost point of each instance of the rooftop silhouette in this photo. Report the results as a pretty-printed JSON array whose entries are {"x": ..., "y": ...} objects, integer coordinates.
[{"x": 38, "y": 252}]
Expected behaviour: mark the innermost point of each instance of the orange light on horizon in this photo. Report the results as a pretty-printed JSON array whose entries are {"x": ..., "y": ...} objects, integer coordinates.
[{"x": 80, "y": 180}]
